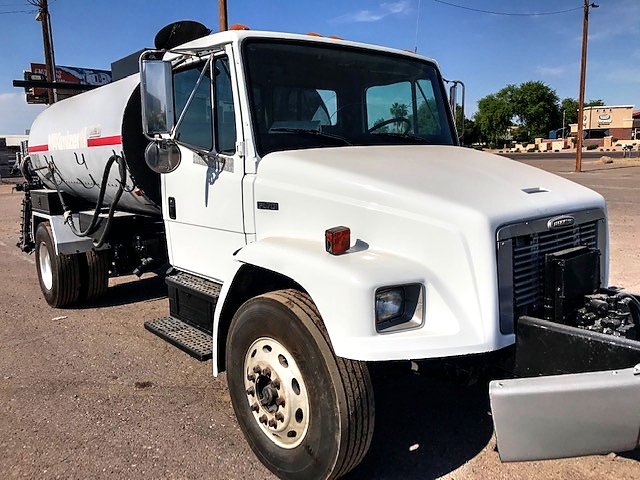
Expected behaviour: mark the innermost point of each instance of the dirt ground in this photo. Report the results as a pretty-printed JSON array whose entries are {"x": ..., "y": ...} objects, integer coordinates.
[{"x": 89, "y": 393}]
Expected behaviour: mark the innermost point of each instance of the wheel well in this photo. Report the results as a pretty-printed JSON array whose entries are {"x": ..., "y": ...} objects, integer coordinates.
[{"x": 249, "y": 282}]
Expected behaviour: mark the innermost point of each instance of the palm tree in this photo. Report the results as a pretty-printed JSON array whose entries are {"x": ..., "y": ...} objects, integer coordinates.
[{"x": 399, "y": 110}]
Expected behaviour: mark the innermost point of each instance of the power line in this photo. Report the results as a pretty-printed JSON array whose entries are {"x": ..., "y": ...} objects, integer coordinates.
[{"x": 510, "y": 14}]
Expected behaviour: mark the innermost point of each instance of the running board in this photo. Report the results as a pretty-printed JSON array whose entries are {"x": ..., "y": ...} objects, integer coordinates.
[{"x": 189, "y": 339}]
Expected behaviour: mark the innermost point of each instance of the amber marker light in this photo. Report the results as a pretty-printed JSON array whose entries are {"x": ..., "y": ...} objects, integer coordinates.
[{"x": 337, "y": 240}]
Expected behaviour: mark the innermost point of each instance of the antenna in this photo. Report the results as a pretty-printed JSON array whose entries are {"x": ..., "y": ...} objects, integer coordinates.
[{"x": 415, "y": 48}]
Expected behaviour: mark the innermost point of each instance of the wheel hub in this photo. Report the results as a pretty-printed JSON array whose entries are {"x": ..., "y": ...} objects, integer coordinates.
[
  {"x": 46, "y": 270},
  {"x": 276, "y": 392}
]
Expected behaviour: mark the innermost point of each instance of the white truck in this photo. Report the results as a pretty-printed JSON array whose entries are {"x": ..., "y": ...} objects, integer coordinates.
[{"x": 314, "y": 212}]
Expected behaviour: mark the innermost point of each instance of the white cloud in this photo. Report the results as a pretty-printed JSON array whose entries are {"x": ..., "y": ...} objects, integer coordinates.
[
  {"x": 550, "y": 71},
  {"x": 384, "y": 10},
  {"x": 16, "y": 116}
]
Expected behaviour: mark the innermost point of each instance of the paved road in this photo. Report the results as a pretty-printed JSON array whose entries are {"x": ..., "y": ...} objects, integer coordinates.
[{"x": 88, "y": 393}]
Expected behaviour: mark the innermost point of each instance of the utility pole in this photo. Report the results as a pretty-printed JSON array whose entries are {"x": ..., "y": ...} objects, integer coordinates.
[
  {"x": 583, "y": 74},
  {"x": 222, "y": 13},
  {"x": 47, "y": 39}
]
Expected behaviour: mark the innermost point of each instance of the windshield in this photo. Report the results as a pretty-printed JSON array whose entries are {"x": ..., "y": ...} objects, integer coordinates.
[{"x": 310, "y": 96}]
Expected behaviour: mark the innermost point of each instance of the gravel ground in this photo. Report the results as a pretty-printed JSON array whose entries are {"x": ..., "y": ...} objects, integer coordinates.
[{"x": 88, "y": 393}]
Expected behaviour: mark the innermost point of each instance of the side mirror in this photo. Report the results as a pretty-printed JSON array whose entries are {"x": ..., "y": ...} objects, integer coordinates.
[
  {"x": 156, "y": 89},
  {"x": 162, "y": 156}
]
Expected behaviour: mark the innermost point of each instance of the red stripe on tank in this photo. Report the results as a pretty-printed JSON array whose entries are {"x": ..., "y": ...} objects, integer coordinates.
[
  {"x": 104, "y": 141},
  {"x": 38, "y": 148}
]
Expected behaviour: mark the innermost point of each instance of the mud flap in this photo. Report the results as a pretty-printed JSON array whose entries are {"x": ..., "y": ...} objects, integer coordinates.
[{"x": 566, "y": 415}]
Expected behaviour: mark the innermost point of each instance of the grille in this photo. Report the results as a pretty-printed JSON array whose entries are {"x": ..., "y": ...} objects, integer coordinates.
[
  {"x": 529, "y": 258},
  {"x": 521, "y": 255}
]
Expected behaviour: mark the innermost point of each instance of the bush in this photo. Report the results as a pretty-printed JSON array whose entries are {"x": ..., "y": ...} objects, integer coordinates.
[
  {"x": 592, "y": 147},
  {"x": 531, "y": 150},
  {"x": 614, "y": 139}
]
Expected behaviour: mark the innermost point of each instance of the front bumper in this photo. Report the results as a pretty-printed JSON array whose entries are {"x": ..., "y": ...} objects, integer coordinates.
[{"x": 581, "y": 397}]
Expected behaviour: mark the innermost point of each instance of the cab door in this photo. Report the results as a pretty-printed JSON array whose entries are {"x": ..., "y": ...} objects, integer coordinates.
[{"x": 202, "y": 198}]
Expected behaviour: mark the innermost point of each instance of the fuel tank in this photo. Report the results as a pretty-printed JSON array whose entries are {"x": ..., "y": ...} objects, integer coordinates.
[{"x": 72, "y": 141}]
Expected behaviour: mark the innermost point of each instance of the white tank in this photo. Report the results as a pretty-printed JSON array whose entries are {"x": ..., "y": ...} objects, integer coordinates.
[{"x": 72, "y": 140}]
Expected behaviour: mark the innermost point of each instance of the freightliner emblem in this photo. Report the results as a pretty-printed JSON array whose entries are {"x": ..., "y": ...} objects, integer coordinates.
[{"x": 560, "y": 222}]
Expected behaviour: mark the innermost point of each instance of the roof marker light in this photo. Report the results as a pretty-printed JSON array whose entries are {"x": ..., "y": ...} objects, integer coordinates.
[
  {"x": 337, "y": 240},
  {"x": 238, "y": 26}
]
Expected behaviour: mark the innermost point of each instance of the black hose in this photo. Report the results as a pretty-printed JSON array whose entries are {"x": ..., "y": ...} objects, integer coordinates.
[
  {"x": 96, "y": 214},
  {"x": 116, "y": 199}
]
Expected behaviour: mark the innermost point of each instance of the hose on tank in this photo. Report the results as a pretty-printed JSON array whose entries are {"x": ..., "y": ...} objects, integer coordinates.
[
  {"x": 122, "y": 184},
  {"x": 91, "y": 228}
]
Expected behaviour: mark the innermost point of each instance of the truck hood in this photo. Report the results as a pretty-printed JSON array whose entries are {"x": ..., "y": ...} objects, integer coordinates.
[{"x": 437, "y": 181}]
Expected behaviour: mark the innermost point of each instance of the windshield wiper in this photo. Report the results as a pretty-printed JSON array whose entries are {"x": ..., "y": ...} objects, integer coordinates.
[
  {"x": 306, "y": 131},
  {"x": 407, "y": 136}
]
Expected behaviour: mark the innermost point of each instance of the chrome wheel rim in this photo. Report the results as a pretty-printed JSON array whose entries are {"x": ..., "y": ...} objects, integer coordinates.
[{"x": 276, "y": 392}]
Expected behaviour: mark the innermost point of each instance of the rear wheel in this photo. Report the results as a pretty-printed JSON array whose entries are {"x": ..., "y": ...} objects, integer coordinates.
[
  {"x": 306, "y": 413},
  {"x": 59, "y": 275},
  {"x": 94, "y": 273}
]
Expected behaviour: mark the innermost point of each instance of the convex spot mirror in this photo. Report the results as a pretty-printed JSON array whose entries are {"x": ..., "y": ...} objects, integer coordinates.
[
  {"x": 156, "y": 90},
  {"x": 162, "y": 157}
]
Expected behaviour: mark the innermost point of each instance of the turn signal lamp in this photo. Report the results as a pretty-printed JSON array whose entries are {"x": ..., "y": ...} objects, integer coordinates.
[{"x": 337, "y": 240}]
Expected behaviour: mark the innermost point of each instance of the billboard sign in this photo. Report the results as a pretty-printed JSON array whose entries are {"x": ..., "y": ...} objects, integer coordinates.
[{"x": 85, "y": 76}]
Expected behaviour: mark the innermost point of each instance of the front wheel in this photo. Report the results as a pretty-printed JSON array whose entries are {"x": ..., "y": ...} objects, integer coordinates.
[{"x": 306, "y": 413}]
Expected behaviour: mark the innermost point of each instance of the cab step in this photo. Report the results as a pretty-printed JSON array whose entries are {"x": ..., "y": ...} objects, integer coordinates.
[
  {"x": 193, "y": 299},
  {"x": 189, "y": 339}
]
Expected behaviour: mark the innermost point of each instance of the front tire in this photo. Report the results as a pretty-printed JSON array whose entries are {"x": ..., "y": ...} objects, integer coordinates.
[
  {"x": 306, "y": 413},
  {"x": 59, "y": 275}
]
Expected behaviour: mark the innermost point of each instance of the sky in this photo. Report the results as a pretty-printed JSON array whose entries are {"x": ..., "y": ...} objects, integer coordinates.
[{"x": 508, "y": 42}]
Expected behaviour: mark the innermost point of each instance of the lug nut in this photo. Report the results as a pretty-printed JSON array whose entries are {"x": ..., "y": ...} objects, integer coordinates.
[
  {"x": 255, "y": 407},
  {"x": 272, "y": 423},
  {"x": 251, "y": 391},
  {"x": 276, "y": 383},
  {"x": 257, "y": 369},
  {"x": 280, "y": 401},
  {"x": 279, "y": 416},
  {"x": 263, "y": 419},
  {"x": 266, "y": 372}
]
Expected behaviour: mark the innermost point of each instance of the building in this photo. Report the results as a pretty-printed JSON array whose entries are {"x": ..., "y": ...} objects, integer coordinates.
[
  {"x": 619, "y": 121},
  {"x": 10, "y": 147}
]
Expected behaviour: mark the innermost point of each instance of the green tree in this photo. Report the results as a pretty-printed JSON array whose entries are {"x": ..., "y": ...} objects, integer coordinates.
[
  {"x": 595, "y": 103},
  {"x": 535, "y": 108},
  {"x": 569, "y": 109},
  {"x": 493, "y": 117},
  {"x": 528, "y": 110}
]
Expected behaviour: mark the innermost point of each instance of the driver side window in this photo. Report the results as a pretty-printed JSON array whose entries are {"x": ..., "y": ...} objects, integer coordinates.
[{"x": 197, "y": 127}]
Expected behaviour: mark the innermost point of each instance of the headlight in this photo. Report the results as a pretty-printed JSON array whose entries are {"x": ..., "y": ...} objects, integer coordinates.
[
  {"x": 389, "y": 304},
  {"x": 399, "y": 308}
]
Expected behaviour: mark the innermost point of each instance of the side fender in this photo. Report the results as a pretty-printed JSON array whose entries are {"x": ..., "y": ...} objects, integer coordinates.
[
  {"x": 342, "y": 287},
  {"x": 66, "y": 242}
]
